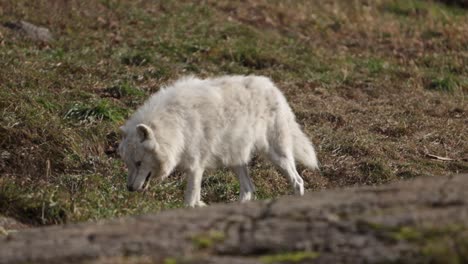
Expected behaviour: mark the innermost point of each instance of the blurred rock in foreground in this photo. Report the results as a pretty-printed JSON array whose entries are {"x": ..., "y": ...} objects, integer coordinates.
[{"x": 419, "y": 221}]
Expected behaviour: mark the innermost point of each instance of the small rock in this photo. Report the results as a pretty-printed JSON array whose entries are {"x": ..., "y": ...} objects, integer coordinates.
[
  {"x": 31, "y": 31},
  {"x": 5, "y": 155}
]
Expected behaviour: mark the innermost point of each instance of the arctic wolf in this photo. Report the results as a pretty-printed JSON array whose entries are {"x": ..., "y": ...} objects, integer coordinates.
[{"x": 195, "y": 124}]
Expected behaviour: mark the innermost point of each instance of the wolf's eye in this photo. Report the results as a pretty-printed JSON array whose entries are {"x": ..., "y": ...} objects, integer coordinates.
[{"x": 138, "y": 164}]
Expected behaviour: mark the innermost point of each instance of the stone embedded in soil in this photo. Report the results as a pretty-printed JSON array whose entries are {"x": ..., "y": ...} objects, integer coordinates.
[
  {"x": 31, "y": 31},
  {"x": 8, "y": 224}
]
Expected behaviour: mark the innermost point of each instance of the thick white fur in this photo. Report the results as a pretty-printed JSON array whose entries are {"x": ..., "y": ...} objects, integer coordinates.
[{"x": 204, "y": 123}]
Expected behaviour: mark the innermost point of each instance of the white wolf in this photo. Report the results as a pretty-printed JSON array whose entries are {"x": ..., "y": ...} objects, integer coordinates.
[{"x": 196, "y": 123}]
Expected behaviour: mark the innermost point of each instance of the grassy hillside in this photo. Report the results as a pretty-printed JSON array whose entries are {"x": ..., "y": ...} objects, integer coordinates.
[{"x": 379, "y": 86}]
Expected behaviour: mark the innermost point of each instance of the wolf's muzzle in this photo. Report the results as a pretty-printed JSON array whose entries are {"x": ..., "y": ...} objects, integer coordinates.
[{"x": 130, "y": 188}]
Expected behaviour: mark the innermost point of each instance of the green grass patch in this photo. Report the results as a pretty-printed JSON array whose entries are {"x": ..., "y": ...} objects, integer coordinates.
[
  {"x": 48, "y": 104},
  {"x": 32, "y": 204},
  {"x": 375, "y": 171},
  {"x": 136, "y": 58},
  {"x": 102, "y": 110},
  {"x": 220, "y": 186},
  {"x": 123, "y": 90},
  {"x": 370, "y": 66},
  {"x": 442, "y": 84},
  {"x": 431, "y": 34},
  {"x": 420, "y": 8},
  {"x": 406, "y": 8},
  {"x": 375, "y": 65},
  {"x": 81, "y": 197},
  {"x": 250, "y": 55}
]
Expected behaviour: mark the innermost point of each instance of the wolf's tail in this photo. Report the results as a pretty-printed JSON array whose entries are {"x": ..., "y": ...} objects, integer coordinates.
[{"x": 303, "y": 149}]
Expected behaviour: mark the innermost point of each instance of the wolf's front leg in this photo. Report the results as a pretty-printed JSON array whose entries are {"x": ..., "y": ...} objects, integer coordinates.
[
  {"x": 247, "y": 188},
  {"x": 193, "y": 189}
]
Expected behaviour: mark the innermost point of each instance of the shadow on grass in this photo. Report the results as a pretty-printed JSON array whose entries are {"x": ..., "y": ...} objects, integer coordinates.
[{"x": 30, "y": 211}]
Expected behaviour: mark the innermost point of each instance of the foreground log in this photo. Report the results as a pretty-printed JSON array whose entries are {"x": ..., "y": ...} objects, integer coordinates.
[{"x": 420, "y": 221}]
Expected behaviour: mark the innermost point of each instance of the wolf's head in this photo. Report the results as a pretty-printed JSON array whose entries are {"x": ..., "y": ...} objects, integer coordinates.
[{"x": 138, "y": 150}]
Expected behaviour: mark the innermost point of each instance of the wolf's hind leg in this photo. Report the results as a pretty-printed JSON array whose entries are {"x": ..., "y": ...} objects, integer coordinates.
[
  {"x": 247, "y": 188},
  {"x": 193, "y": 189},
  {"x": 287, "y": 166}
]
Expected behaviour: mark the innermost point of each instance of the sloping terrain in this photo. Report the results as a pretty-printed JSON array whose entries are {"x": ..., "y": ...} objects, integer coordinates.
[
  {"x": 420, "y": 221},
  {"x": 379, "y": 86}
]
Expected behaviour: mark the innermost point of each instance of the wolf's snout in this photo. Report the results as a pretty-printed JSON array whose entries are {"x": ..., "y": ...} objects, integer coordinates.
[{"x": 130, "y": 188}]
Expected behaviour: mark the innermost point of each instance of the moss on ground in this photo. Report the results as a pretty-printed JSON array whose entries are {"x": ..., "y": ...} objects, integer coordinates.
[
  {"x": 429, "y": 244},
  {"x": 290, "y": 257},
  {"x": 208, "y": 240}
]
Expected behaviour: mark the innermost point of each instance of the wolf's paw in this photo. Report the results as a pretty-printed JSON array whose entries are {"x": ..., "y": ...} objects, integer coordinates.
[
  {"x": 200, "y": 204},
  {"x": 299, "y": 189},
  {"x": 246, "y": 196}
]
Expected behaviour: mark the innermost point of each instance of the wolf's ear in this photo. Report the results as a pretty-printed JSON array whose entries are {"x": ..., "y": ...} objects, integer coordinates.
[
  {"x": 144, "y": 132},
  {"x": 123, "y": 131}
]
